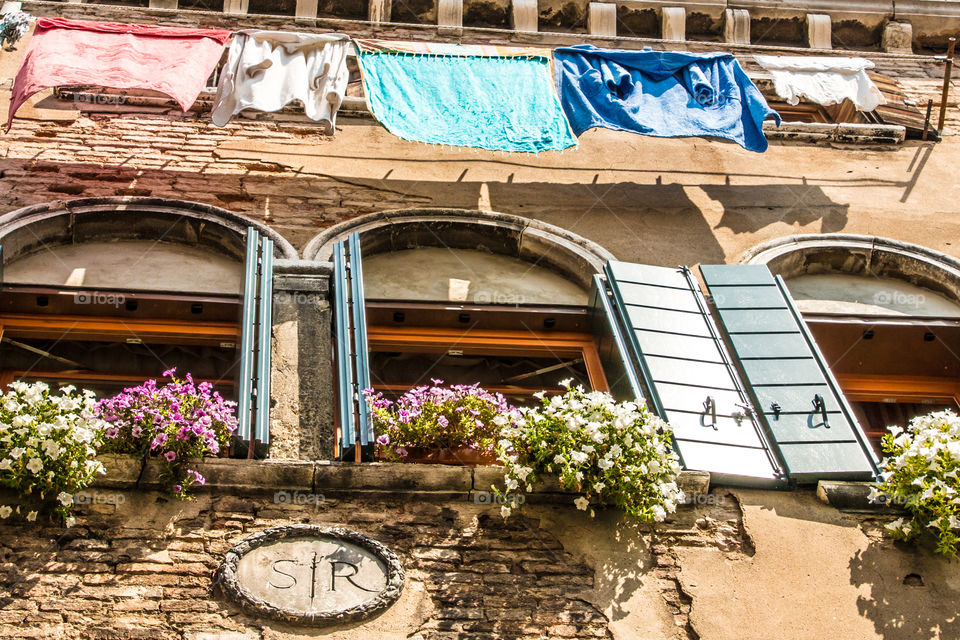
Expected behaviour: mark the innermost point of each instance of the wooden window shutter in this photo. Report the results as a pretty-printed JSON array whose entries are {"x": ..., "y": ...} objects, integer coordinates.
[
  {"x": 798, "y": 398},
  {"x": 674, "y": 348},
  {"x": 350, "y": 345},
  {"x": 253, "y": 409}
]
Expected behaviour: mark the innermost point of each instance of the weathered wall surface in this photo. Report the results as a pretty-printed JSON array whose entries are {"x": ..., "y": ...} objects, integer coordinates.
[
  {"x": 744, "y": 565},
  {"x": 636, "y": 196},
  {"x": 143, "y": 570},
  {"x": 824, "y": 574},
  {"x": 749, "y": 565}
]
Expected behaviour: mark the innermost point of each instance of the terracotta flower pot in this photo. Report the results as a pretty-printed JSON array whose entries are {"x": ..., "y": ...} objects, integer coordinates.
[{"x": 462, "y": 456}]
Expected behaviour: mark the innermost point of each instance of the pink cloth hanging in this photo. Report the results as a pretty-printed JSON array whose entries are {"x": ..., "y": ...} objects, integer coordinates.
[{"x": 170, "y": 60}]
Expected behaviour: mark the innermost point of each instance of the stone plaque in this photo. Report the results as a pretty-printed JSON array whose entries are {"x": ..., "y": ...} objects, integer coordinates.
[{"x": 311, "y": 574}]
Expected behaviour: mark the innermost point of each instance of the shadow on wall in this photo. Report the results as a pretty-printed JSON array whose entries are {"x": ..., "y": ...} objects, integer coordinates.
[
  {"x": 621, "y": 573},
  {"x": 907, "y": 592},
  {"x": 649, "y": 223},
  {"x": 640, "y": 223},
  {"x": 747, "y": 209}
]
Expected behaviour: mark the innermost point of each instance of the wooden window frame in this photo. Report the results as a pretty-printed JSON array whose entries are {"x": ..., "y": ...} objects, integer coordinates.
[
  {"x": 9, "y": 375},
  {"x": 490, "y": 342},
  {"x": 900, "y": 389},
  {"x": 879, "y": 388},
  {"x": 107, "y": 329}
]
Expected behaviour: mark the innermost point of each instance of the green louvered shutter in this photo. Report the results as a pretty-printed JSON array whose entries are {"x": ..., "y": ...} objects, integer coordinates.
[
  {"x": 801, "y": 403},
  {"x": 350, "y": 343},
  {"x": 688, "y": 377},
  {"x": 253, "y": 411}
]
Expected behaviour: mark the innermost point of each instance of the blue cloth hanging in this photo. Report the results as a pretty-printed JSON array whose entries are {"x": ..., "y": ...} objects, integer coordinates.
[
  {"x": 666, "y": 94},
  {"x": 497, "y": 103}
]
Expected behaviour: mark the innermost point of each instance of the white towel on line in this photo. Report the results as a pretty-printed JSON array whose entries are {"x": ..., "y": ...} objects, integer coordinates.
[
  {"x": 266, "y": 70},
  {"x": 824, "y": 80}
]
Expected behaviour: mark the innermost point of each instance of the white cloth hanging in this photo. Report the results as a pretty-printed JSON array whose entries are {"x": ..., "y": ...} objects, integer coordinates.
[
  {"x": 266, "y": 70},
  {"x": 824, "y": 80}
]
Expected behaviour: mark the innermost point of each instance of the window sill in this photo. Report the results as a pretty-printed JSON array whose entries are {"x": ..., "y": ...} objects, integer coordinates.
[{"x": 339, "y": 479}]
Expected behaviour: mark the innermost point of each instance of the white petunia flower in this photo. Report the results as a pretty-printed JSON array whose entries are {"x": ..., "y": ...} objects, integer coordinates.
[
  {"x": 32, "y": 516},
  {"x": 582, "y": 503},
  {"x": 896, "y": 525},
  {"x": 5, "y": 511},
  {"x": 35, "y": 465}
]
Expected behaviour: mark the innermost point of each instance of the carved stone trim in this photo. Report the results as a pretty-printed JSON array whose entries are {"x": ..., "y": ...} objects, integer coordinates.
[
  {"x": 226, "y": 576},
  {"x": 131, "y": 218}
]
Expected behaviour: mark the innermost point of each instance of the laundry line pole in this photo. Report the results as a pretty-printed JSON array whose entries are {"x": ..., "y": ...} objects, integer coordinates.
[{"x": 946, "y": 84}]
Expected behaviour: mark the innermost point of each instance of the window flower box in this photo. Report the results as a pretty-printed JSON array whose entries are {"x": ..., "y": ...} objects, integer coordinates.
[{"x": 437, "y": 424}]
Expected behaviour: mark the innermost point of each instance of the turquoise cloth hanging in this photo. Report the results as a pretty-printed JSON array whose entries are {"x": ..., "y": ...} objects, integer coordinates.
[{"x": 496, "y": 103}]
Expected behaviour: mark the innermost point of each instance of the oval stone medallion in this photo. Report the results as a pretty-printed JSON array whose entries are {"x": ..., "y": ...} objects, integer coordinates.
[{"x": 311, "y": 574}]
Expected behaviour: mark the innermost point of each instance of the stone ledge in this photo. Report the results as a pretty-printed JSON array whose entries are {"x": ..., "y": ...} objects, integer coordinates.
[
  {"x": 406, "y": 31},
  {"x": 243, "y": 476},
  {"x": 342, "y": 478},
  {"x": 852, "y": 496},
  {"x": 851, "y": 133},
  {"x": 392, "y": 477}
]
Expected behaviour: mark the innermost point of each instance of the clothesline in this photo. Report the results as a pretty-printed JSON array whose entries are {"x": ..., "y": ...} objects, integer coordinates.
[{"x": 486, "y": 96}]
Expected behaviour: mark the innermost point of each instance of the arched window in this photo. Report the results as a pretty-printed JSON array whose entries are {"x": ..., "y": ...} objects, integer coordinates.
[
  {"x": 886, "y": 315},
  {"x": 105, "y": 293},
  {"x": 471, "y": 297}
]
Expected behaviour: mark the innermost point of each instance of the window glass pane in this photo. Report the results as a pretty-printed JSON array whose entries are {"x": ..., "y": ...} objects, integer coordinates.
[
  {"x": 515, "y": 377},
  {"x": 108, "y": 367}
]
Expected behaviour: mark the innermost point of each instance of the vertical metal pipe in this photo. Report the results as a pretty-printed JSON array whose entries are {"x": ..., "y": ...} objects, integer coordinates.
[
  {"x": 947, "y": 72},
  {"x": 926, "y": 121}
]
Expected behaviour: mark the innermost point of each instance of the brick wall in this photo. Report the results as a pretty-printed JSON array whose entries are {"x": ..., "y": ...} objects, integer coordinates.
[
  {"x": 143, "y": 568},
  {"x": 175, "y": 158}
]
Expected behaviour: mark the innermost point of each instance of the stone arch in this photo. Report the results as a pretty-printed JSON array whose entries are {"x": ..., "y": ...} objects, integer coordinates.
[
  {"x": 860, "y": 255},
  {"x": 26, "y": 230},
  {"x": 566, "y": 253}
]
